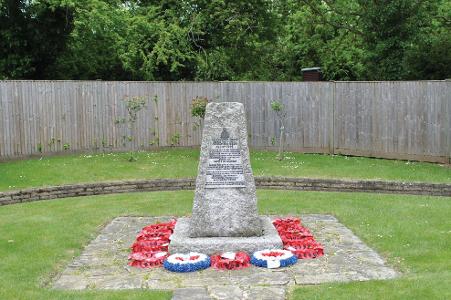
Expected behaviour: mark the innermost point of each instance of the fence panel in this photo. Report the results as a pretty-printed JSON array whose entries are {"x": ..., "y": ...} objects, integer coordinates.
[
  {"x": 407, "y": 120},
  {"x": 393, "y": 119}
]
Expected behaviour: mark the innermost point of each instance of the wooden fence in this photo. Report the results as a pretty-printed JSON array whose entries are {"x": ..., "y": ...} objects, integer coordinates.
[{"x": 406, "y": 120}]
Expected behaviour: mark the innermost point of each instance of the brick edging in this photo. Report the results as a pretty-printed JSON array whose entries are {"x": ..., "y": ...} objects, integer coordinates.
[{"x": 279, "y": 183}]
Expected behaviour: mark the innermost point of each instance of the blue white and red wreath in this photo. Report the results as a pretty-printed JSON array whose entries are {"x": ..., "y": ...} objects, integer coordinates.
[
  {"x": 186, "y": 262},
  {"x": 273, "y": 258}
]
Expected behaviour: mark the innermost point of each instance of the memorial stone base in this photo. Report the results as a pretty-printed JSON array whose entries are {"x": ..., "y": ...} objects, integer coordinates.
[{"x": 181, "y": 242}]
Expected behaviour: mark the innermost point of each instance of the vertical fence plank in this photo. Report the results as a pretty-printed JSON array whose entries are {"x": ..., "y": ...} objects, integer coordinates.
[{"x": 3, "y": 136}]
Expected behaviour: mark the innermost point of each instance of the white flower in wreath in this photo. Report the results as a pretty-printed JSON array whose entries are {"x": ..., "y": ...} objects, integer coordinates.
[
  {"x": 186, "y": 258},
  {"x": 273, "y": 258}
]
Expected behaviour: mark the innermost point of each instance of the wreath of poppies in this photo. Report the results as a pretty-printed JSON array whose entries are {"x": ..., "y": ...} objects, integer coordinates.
[
  {"x": 147, "y": 259},
  {"x": 273, "y": 258},
  {"x": 186, "y": 262},
  {"x": 298, "y": 239},
  {"x": 151, "y": 245},
  {"x": 151, "y": 250},
  {"x": 230, "y": 261}
]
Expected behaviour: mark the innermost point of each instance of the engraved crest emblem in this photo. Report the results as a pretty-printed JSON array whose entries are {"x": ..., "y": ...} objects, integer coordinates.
[{"x": 225, "y": 134}]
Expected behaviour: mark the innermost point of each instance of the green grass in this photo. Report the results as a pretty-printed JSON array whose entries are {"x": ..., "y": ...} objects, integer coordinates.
[
  {"x": 413, "y": 232},
  {"x": 38, "y": 239},
  {"x": 183, "y": 163}
]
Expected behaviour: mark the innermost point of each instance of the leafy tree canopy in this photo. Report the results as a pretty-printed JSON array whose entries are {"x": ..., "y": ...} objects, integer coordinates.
[{"x": 224, "y": 39}]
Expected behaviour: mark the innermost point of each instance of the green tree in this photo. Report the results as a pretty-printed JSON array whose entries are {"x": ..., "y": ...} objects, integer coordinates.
[
  {"x": 281, "y": 114},
  {"x": 314, "y": 35},
  {"x": 97, "y": 39},
  {"x": 389, "y": 28},
  {"x": 158, "y": 46},
  {"x": 231, "y": 38},
  {"x": 32, "y": 36},
  {"x": 224, "y": 40},
  {"x": 429, "y": 57},
  {"x": 134, "y": 105}
]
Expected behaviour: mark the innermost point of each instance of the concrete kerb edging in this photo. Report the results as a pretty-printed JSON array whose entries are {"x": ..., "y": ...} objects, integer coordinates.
[{"x": 278, "y": 183}]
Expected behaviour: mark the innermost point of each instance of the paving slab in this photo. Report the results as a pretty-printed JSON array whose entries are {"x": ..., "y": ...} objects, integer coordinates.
[
  {"x": 103, "y": 265},
  {"x": 191, "y": 294}
]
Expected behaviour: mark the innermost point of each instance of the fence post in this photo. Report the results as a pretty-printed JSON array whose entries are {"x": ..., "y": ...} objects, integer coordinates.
[
  {"x": 448, "y": 104},
  {"x": 331, "y": 113}
]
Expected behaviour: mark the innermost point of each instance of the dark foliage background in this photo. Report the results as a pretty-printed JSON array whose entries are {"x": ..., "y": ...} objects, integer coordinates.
[{"x": 225, "y": 40}]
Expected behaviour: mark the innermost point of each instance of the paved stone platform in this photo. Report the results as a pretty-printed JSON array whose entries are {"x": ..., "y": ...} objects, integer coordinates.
[{"x": 103, "y": 265}]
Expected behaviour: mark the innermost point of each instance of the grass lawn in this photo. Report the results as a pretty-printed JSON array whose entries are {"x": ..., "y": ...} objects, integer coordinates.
[
  {"x": 179, "y": 162},
  {"x": 413, "y": 232},
  {"x": 38, "y": 239}
]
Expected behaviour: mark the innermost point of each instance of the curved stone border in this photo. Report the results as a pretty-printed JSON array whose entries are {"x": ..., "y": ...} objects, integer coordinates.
[
  {"x": 278, "y": 183},
  {"x": 366, "y": 186}
]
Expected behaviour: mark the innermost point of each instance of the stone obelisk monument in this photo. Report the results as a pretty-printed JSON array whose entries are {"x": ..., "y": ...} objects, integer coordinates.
[
  {"x": 225, "y": 203},
  {"x": 225, "y": 215}
]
